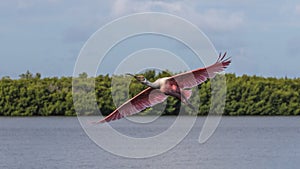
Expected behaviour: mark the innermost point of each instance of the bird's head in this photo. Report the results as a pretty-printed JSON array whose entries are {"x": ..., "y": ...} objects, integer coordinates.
[{"x": 139, "y": 78}]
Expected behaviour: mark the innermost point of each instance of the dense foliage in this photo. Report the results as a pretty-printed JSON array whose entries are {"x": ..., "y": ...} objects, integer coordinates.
[{"x": 31, "y": 95}]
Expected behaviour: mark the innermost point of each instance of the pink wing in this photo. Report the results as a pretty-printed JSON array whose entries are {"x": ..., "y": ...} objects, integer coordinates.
[
  {"x": 147, "y": 98},
  {"x": 193, "y": 78}
]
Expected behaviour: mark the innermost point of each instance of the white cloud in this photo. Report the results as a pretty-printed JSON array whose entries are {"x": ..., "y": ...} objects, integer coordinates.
[
  {"x": 122, "y": 7},
  {"x": 119, "y": 7},
  {"x": 297, "y": 9},
  {"x": 26, "y": 4},
  {"x": 22, "y": 4},
  {"x": 217, "y": 20}
]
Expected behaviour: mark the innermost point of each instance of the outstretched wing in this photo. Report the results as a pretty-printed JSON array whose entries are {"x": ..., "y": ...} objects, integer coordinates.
[
  {"x": 147, "y": 98},
  {"x": 195, "y": 77}
]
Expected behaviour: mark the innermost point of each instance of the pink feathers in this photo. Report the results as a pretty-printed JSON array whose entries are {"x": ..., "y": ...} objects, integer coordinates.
[{"x": 174, "y": 86}]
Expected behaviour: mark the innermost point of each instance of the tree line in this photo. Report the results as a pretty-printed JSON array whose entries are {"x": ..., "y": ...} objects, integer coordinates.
[{"x": 31, "y": 95}]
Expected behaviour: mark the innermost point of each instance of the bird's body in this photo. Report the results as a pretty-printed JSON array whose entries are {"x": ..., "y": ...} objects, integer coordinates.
[
  {"x": 176, "y": 86},
  {"x": 168, "y": 87}
]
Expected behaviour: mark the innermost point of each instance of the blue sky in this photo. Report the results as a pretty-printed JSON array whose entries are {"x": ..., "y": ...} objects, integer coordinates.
[{"x": 263, "y": 37}]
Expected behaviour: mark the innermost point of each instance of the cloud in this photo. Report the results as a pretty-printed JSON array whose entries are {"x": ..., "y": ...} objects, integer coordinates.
[
  {"x": 22, "y": 4},
  {"x": 297, "y": 9},
  {"x": 122, "y": 7},
  {"x": 119, "y": 7},
  {"x": 213, "y": 19},
  {"x": 27, "y": 4},
  {"x": 220, "y": 20}
]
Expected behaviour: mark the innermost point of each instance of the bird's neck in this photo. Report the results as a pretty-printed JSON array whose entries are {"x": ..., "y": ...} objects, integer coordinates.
[{"x": 150, "y": 84}]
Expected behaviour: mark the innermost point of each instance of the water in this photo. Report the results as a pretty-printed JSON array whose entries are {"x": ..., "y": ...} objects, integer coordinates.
[{"x": 238, "y": 143}]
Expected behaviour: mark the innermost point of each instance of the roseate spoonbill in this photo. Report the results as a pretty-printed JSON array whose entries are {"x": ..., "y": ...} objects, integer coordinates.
[{"x": 159, "y": 90}]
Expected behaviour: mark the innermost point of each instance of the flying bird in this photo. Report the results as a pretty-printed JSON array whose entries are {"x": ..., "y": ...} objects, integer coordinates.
[{"x": 177, "y": 86}]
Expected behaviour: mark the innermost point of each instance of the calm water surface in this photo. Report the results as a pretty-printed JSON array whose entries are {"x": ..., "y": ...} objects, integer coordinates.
[{"x": 238, "y": 143}]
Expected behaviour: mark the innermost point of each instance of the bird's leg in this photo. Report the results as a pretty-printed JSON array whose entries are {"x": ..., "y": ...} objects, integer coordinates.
[
  {"x": 182, "y": 98},
  {"x": 188, "y": 103},
  {"x": 192, "y": 107}
]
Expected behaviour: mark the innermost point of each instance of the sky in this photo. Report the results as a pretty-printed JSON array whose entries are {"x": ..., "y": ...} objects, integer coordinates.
[{"x": 46, "y": 36}]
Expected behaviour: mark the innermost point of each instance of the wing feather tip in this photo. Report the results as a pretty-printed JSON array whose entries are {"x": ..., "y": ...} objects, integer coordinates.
[
  {"x": 223, "y": 60},
  {"x": 97, "y": 122}
]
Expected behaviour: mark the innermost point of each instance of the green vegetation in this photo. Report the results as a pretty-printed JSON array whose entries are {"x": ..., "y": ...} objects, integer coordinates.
[{"x": 31, "y": 95}]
